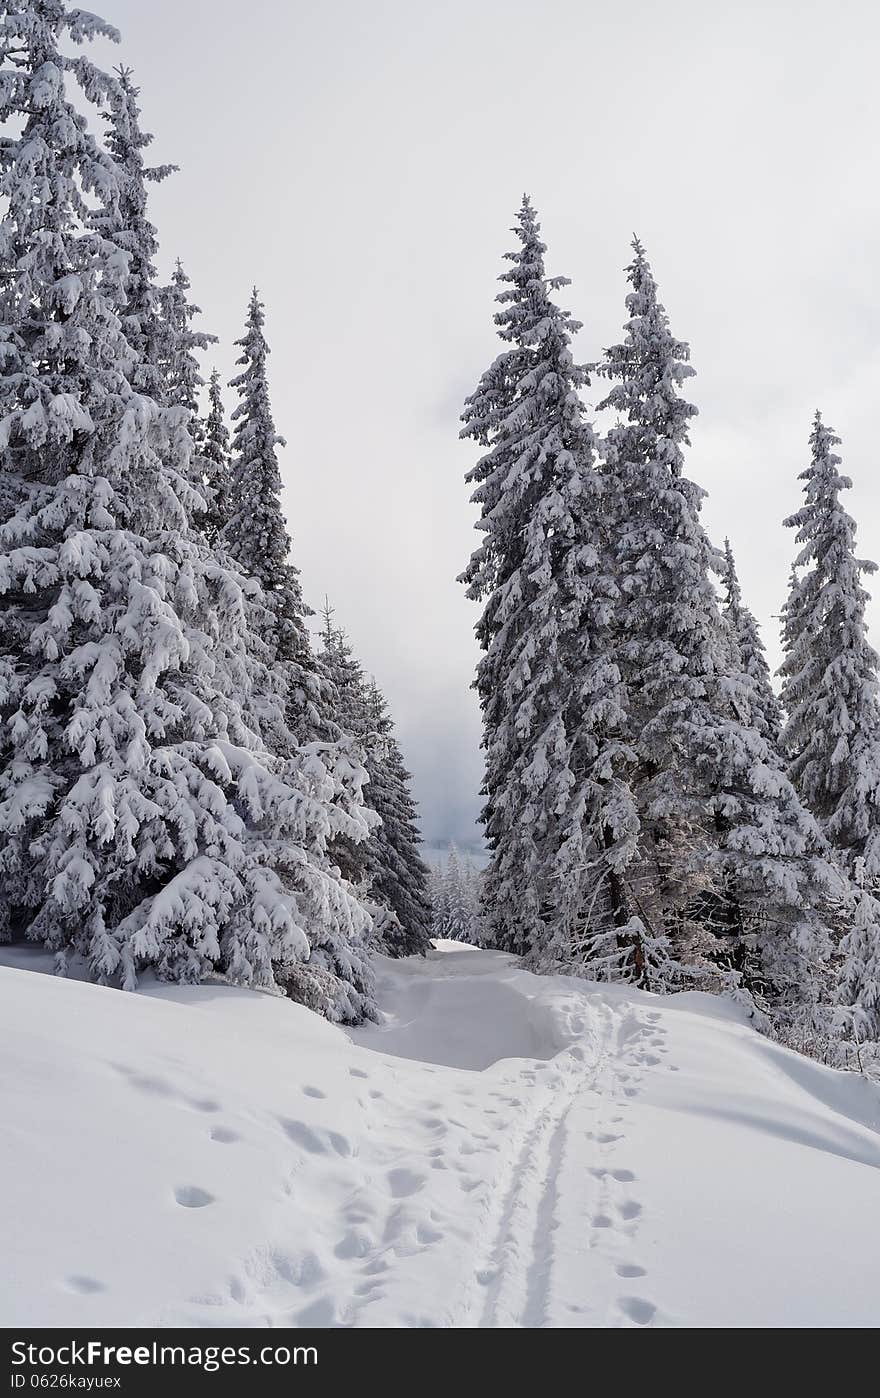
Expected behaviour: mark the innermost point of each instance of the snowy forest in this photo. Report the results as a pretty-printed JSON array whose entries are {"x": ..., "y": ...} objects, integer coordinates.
[{"x": 198, "y": 776}]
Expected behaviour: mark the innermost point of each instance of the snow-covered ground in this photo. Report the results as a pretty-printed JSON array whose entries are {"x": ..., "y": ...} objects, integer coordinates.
[{"x": 502, "y": 1150}]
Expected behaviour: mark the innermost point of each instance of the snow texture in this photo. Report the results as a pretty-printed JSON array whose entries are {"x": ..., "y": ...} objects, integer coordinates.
[{"x": 500, "y": 1150}]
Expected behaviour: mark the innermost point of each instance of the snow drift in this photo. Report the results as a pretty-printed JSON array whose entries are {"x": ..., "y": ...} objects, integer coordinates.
[{"x": 501, "y": 1150}]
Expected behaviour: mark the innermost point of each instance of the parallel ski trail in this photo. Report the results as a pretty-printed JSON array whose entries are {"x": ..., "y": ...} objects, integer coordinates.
[{"x": 511, "y": 1282}]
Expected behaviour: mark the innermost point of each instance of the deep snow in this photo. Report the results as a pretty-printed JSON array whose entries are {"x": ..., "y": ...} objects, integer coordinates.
[{"x": 502, "y": 1150}]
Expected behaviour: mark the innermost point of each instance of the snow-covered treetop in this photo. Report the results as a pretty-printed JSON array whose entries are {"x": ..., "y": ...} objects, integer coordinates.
[
  {"x": 527, "y": 317},
  {"x": 257, "y": 533},
  {"x": 830, "y": 689},
  {"x": 64, "y": 278},
  {"x": 132, "y": 230},
  {"x": 183, "y": 377},
  {"x": 649, "y": 367},
  {"x": 824, "y": 528},
  {"x": 526, "y": 410},
  {"x": 257, "y": 530}
]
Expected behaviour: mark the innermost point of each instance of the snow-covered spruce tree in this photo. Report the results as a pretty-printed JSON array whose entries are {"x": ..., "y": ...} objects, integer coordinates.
[
  {"x": 830, "y": 694},
  {"x": 214, "y": 438},
  {"x": 180, "y": 364},
  {"x": 559, "y": 816},
  {"x": 388, "y": 866},
  {"x": 767, "y": 716},
  {"x": 458, "y": 900},
  {"x": 143, "y": 823},
  {"x": 156, "y": 320},
  {"x": 128, "y": 224},
  {"x": 256, "y": 533},
  {"x": 400, "y": 880},
  {"x": 829, "y": 671},
  {"x": 724, "y": 844},
  {"x": 179, "y": 346}
]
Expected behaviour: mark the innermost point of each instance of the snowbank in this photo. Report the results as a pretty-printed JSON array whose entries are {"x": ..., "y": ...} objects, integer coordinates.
[{"x": 500, "y": 1150}]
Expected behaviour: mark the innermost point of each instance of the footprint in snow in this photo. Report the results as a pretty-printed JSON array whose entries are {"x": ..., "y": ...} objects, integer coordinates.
[
  {"x": 302, "y": 1135},
  {"x": 224, "y": 1134},
  {"x": 403, "y": 1182},
  {"x": 629, "y": 1209},
  {"x": 355, "y": 1243},
  {"x": 357, "y": 1073},
  {"x": 314, "y": 1092},
  {"x": 639, "y": 1311},
  {"x": 192, "y": 1196},
  {"x": 84, "y": 1286},
  {"x": 630, "y": 1269}
]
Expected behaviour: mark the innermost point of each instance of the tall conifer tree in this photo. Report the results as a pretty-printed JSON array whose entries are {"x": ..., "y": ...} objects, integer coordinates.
[
  {"x": 830, "y": 694},
  {"x": 724, "y": 840},
  {"x": 559, "y": 815},
  {"x": 389, "y": 866},
  {"x": 256, "y": 534}
]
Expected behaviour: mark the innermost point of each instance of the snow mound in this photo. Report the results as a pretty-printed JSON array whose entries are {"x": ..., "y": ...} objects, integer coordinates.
[{"x": 501, "y": 1150}]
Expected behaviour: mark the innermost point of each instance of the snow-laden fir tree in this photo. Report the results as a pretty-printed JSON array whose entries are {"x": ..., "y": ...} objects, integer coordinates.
[
  {"x": 157, "y": 320},
  {"x": 829, "y": 671},
  {"x": 400, "y": 879},
  {"x": 455, "y": 899},
  {"x": 256, "y": 533},
  {"x": 559, "y": 815},
  {"x": 767, "y": 716},
  {"x": 129, "y": 225},
  {"x": 725, "y": 845},
  {"x": 214, "y": 441},
  {"x": 388, "y": 866},
  {"x": 830, "y": 695},
  {"x": 143, "y": 822},
  {"x": 182, "y": 342}
]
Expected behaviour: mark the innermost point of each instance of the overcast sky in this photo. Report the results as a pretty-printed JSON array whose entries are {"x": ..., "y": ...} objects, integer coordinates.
[{"x": 362, "y": 162}]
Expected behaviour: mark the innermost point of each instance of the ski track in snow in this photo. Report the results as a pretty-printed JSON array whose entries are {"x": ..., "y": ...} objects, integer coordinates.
[
  {"x": 513, "y": 1281},
  {"x": 500, "y": 1151}
]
